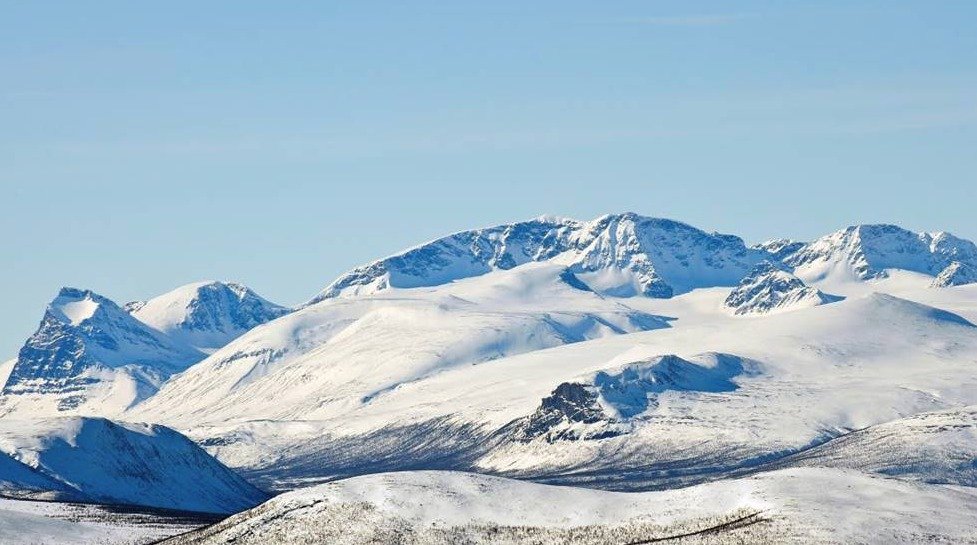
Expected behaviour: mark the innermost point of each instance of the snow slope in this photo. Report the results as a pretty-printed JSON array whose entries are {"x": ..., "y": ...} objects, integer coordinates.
[
  {"x": 346, "y": 353},
  {"x": 788, "y": 506},
  {"x": 933, "y": 447},
  {"x": 97, "y": 460},
  {"x": 808, "y": 375},
  {"x": 19, "y": 480}
]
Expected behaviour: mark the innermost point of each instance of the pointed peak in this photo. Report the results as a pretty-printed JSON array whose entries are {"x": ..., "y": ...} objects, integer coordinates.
[{"x": 74, "y": 306}]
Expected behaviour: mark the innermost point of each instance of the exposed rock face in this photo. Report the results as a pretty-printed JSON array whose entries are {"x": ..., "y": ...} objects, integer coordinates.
[
  {"x": 955, "y": 274},
  {"x": 768, "y": 288},
  {"x": 604, "y": 405},
  {"x": 781, "y": 248},
  {"x": 569, "y": 404}
]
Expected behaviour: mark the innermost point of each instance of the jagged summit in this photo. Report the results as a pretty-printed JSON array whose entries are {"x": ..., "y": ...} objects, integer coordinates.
[
  {"x": 619, "y": 255},
  {"x": 624, "y": 255},
  {"x": 868, "y": 250},
  {"x": 206, "y": 315},
  {"x": 771, "y": 288}
]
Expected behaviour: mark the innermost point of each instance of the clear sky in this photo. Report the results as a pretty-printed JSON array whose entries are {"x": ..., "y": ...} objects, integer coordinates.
[{"x": 144, "y": 145}]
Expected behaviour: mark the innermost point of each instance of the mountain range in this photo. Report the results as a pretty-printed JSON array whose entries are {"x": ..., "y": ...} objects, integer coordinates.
[{"x": 623, "y": 353}]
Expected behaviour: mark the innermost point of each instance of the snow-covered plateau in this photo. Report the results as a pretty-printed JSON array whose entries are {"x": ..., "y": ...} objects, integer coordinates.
[{"x": 670, "y": 380}]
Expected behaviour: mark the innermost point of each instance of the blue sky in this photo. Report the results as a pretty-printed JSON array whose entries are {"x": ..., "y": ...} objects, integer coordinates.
[{"x": 146, "y": 145}]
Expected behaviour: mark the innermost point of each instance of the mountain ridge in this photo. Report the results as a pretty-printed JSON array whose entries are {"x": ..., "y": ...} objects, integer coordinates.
[{"x": 628, "y": 254}]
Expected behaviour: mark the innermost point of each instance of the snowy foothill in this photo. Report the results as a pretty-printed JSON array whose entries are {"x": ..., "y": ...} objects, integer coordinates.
[
  {"x": 24, "y": 522},
  {"x": 786, "y": 506}
]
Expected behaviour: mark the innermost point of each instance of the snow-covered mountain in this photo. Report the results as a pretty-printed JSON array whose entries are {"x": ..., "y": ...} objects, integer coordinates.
[
  {"x": 206, "y": 315},
  {"x": 867, "y": 251},
  {"x": 89, "y": 354},
  {"x": 517, "y": 345},
  {"x": 768, "y": 288},
  {"x": 673, "y": 405},
  {"x": 620, "y": 255},
  {"x": 628, "y": 254},
  {"x": 97, "y": 460}
]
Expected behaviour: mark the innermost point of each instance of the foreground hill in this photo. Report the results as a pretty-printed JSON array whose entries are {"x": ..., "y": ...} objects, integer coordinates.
[
  {"x": 935, "y": 447},
  {"x": 24, "y": 522},
  {"x": 788, "y": 506}
]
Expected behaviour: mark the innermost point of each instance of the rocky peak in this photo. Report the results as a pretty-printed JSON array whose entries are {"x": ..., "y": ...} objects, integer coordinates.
[{"x": 770, "y": 287}]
